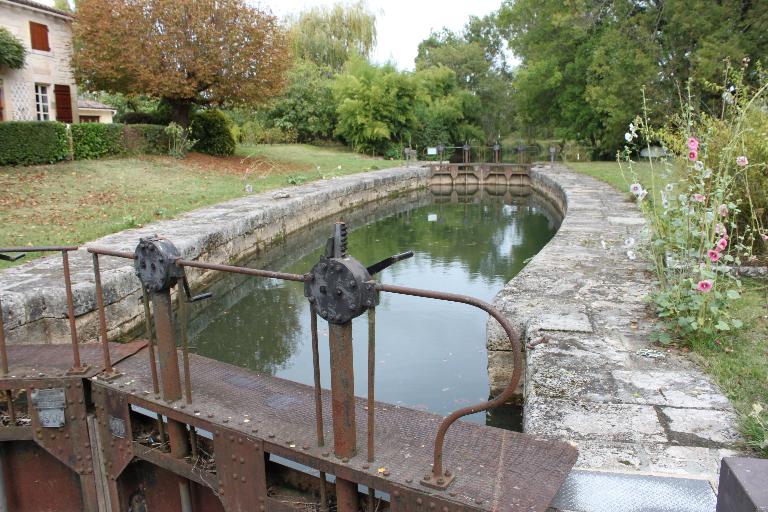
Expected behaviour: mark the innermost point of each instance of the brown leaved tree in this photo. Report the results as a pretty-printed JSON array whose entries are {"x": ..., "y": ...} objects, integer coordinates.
[{"x": 204, "y": 52}]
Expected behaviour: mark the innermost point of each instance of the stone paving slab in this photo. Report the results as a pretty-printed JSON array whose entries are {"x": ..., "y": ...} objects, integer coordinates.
[{"x": 592, "y": 375}]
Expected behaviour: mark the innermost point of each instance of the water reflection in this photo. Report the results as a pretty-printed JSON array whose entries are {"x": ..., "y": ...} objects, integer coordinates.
[{"x": 430, "y": 354}]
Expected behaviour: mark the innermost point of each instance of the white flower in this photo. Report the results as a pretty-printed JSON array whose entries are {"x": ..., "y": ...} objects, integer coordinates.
[
  {"x": 629, "y": 242},
  {"x": 338, "y": 168},
  {"x": 699, "y": 165},
  {"x": 628, "y": 137},
  {"x": 636, "y": 188},
  {"x": 631, "y": 255},
  {"x": 632, "y": 128},
  {"x": 707, "y": 173},
  {"x": 249, "y": 188},
  {"x": 742, "y": 161},
  {"x": 669, "y": 187},
  {"x": 665, "y": 203},
  {"x": 642, "y": 195}
]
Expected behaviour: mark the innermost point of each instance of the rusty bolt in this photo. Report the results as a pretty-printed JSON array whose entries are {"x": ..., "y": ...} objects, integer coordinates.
[
  {"x": 479, "y": 501},
  {"x": 428, "y": 476},
  {"x": 239, "y": 440},
  {"x": 231, "y": 439},
  {"x": 242, "y": 460},
  {"x": 270, "y": 435},
  {"x": 440, "y": 481},
  {"x": 408, "y": 480},
  {"x": 452, "y": 494},
  {"x": 210, "y": 415},
  {"x": 366, "y": 466},
  {"x": 234, "y": 457},
  {"x": 345, "y": 460},
  {"x": 445, "y": 509},
  {"x": 447, "y": 473},
  {"x": 326, "y": 454},
  {"x": 242, "y": 479},
  {"x": 254, "y": 430},
  {"x": 386, "y": 473},
  {"x": 226, "y": 420}
]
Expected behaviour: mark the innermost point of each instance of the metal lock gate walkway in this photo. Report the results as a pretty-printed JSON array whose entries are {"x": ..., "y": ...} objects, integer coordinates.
[{"x": 151, "y": 427}]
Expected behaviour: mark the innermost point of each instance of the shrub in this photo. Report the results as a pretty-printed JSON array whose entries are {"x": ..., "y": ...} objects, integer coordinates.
[
  {"x": 210, "y": 128},
  {"x": 142, "y": 118},
  {"x": 179, "y": 142},
  {"x": 94, "y": 140},
  {"x": 12, "y": 51},
  {"x": 145, "y": 139},
  {"x": 32, "y": 142}
]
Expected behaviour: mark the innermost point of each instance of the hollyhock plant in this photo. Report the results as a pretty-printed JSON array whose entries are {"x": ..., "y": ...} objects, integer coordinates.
[
  {"x": 693, "y": 155},
  {"x": 742, "y": 161},
  {"x": 635, "y": 188},
  {"x": 699, "y": 198},
  {"x": 723, "y": 210},
  {"x": 693, "y": 143},
  {"x": 722, "y": 244},
  {"x": 714, "y": 255},
  {"x": 704, "y": 285}
]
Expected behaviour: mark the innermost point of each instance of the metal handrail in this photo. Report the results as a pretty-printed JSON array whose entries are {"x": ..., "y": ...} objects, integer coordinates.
[{"x": 437, "y": 469}]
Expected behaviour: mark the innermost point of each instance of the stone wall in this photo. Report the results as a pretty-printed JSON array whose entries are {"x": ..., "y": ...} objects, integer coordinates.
[
  {"x": 592, "y": 375},
  {"x": 33, "y": 297},
  {"x": 41, "y": 67}
]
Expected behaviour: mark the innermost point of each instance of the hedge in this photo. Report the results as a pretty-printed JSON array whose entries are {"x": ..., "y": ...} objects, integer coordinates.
[
  {"x": 148, "y": 139},
  {"x": 94, "y": 140},
  {"x": 45, "y": 142},
  {"x": 32, "y": 142}
]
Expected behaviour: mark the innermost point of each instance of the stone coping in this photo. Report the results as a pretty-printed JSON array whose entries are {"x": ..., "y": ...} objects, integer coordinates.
[
  {"x": 33, "y": 295},
  {"x": 592, "y": 375}
]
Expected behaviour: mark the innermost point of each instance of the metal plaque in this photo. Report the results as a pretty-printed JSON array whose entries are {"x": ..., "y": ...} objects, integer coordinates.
[
  {"x": 50, "y": 405},
  {"x": 117, "y": 427}
]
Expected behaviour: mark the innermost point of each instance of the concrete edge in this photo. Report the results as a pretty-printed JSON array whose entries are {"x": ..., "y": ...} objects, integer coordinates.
[{"x": 33, "y": 295}]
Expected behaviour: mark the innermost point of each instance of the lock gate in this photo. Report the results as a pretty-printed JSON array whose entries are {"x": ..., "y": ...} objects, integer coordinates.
[{"x": 147, "y": 426}]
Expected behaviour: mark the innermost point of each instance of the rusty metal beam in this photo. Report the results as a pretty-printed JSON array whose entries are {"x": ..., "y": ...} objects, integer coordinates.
[{"x": 170, "y": 378}]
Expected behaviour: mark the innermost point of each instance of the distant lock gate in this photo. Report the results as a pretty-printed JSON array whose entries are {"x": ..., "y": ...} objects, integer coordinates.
[{"x": 126, "y": 427}]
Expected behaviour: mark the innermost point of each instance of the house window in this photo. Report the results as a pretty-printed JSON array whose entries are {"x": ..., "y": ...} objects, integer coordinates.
[
  {"x": 39, "y": 36},
  {"x": 41, "y": 102},
  {"x": 89, "y": 119}
]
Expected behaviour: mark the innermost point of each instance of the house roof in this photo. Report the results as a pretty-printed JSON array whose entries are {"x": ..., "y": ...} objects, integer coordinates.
[
  {"x": 97, "y": 105},
  {"x": 42, "y": 7}
]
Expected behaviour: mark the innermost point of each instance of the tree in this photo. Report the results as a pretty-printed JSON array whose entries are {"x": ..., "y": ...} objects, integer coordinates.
[
  {"x": 329, "y": 37},
  {"x": 207, "y": 52},
  {"x": 375, "y": 105},
  {"x": 12, "y": 51},
  {"x": 585, "y": 62},
  {"x": 476, "y": 56},
  {"x": 307, "y": 107}
]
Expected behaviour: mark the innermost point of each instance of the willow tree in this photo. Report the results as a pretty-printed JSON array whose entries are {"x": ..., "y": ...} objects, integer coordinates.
[
  {"x": 206, "y": 52},
  {"x": 331, "y": 36}
]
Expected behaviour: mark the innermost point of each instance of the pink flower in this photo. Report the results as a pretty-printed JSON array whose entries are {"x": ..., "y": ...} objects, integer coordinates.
[
  {"x": 693, "y": 144},
  {"x": 765, "y": 236},
  {"x": 699, "y": 198},
  {"x": 704, "y": 286},
  {"x": 693, "y": 155},
  {"x": 742, "y": 161},
  {"x": 722, "y": 244},
  {"x": 722, "y": 210},
  {"x": 714, "y": 255},
  {"x": 720, "y": 229}
]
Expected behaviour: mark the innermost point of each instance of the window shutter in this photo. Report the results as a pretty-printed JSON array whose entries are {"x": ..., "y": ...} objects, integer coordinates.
[
  {"x": 63, "y": 103},
  {"x": 39, "y": 36}
]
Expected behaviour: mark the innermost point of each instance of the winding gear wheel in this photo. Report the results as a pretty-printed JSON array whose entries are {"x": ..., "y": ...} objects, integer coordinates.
[{"x": 339, "y": 286}]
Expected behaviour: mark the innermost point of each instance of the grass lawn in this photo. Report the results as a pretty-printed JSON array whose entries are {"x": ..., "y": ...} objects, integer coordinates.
[
  {"x": 75, "y": 202},
  {"x": 739, "y": 364},
  {"x": 610, "y": 173},
  {"x": 308, "y": 158}
]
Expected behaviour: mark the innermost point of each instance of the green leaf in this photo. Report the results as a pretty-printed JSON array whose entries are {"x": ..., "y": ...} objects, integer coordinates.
[
  {"x": 722, "y": 325},
  {"x": 733, "y": 294},
  {"x": 737, "y": 324}
]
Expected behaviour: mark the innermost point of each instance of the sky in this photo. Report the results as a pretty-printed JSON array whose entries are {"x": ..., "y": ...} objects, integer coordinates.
[{"x": 401, "y": 24}]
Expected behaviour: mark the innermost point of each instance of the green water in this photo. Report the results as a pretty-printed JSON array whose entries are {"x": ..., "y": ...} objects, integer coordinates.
[{"x": 430, "y": 354}]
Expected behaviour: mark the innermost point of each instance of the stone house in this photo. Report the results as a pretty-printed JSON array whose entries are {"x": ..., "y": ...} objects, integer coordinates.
[
  {"x": 92, "y": 111},
  {"x": 45, "y": 88}
]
